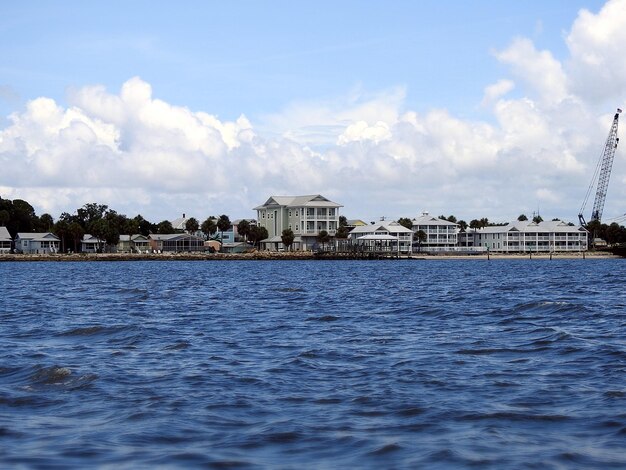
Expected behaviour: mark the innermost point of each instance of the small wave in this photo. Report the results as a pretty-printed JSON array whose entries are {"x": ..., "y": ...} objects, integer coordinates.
[
  {"x": 51, "y": 375},
  {"x": 386, "y": 449},
  {"x": 93, "y": 330},
  {"x": 289, "y": 289},
  {"x": 324, "y": 318},
  {"x": 512, "y": 416},
  {"x": 177, "y": 346}
]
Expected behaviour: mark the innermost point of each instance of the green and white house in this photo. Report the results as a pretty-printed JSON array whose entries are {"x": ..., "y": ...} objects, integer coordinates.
[{"x": 306, "y": 216}]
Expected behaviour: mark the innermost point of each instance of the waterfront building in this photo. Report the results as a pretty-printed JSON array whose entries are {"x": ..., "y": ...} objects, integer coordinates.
[
  {"x": 133, "y": 244},
  {"x": 528, "y": 236},
  {"x": 383, "y": 236},
  {"x": 306, "y": 216},
  {"x": 37, "y": 243},
  {"x": 440, "y": 234},
  {"x": 5, "y": 240},
  {"x": 91, "y": 244},
  {"x": 175, "y": 242}
]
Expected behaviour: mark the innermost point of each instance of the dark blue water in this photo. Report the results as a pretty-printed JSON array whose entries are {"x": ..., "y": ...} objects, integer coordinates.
[{"x": 301, "y": 364}]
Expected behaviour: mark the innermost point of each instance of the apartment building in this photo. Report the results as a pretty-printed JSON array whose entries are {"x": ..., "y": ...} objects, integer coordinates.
[{"x": 306, "y": 216}]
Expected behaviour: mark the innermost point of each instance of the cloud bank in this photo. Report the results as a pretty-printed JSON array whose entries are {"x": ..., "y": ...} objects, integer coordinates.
[{"x": 139, "y": 154}]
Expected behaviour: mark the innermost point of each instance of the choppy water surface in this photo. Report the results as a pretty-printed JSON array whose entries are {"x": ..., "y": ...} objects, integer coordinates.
[{"x": 393, "y": 364}]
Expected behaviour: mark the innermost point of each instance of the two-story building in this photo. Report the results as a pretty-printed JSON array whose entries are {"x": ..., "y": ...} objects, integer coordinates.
[
  {"x": 528, "y": 236},
  {"x": 306, "y": 216}
]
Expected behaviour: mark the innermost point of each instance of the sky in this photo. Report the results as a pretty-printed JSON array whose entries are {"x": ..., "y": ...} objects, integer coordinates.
[{"x": 477, "y": 109}]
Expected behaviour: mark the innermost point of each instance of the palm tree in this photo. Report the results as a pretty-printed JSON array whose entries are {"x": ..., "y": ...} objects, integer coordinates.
[
  {"x": 192, "y": 225},
  {"x": 209, "y": 227},
  {"x": 421, "y": 238},
  {"x": 223, "y": 224},
  {"x": 287, "y": 238},
  {"x": 243, "y": 228}
]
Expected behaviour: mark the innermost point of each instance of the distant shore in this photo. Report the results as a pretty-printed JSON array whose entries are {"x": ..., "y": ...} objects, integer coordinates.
[{"x": 273, "y": 255}]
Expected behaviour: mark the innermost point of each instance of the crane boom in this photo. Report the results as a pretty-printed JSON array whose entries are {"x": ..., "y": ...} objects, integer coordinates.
[{"x": 605, "y": 166}]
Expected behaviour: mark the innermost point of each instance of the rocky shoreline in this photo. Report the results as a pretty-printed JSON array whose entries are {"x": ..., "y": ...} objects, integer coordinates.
[{"x": 273, "y": 255}]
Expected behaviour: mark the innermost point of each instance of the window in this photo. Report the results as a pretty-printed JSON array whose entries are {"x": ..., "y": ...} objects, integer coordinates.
[
  {"x": 296, "y": 212},
  {"x": 289, "y": 214},
  {"x": 263, "y": 214}
]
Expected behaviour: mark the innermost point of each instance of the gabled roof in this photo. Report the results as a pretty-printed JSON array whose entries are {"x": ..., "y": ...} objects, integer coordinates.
[
  {"x": 180, "y": 223},
  {"x": 315, "y": 200},
  {"x": 38, "y": 237},
  {"x": 390, "y": 227},
  {"x": 528, "y": 226},
  {"x": 5, "y": 236},
  {"x": 171, "y": 236},
  {"x": 426, "y": 219},
  {"x": 136, "y": 238}
]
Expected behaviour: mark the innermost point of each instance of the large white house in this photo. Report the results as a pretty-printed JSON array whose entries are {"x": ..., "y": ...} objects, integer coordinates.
[
  {"x": 384, "y": 236},
  {"x": 440, "y": 234},
  {"x": 5, "y": 240},
  {"x": 37, "y": 242},
  {"x": 306, "y": 216},
  {"x": 529, "y": 236}
]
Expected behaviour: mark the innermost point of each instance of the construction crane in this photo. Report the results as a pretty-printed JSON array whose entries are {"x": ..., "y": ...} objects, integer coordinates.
[{"x": 603, "y": 169}]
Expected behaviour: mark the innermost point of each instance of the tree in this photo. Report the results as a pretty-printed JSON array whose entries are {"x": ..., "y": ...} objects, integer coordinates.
[
  {"x": 192, "y": 225},
  {"x": 420, "y": 235},
  {"x": 243, "y": 228},
  {"x": 342, "y": 232},
  {"x": 537, "y": 219},
  {"x": 76, "y": 232},
  {"x": 209, "y": 227},
  {"x": 452, "y": 219},
  {"x": 257, "y": 233},
  {"x": 223, "y": 224},
  {"x": 4, "y": 217},
  {"x": 46, "y": 222},
  {"x": 287, "y": 238},
  {"x": 343, "y": 222},
  {"x": 90, "y": 213},
  {"x": 522, "y": 218},
  {"x": 165, "y": 227},
  {"x": 474, "y": 224},
  {"x": 323, "y": 237},
  {"x": 462, "y": 224},
  {"x": 144, "y": 227},
  {"x": 406, "y": 222}
]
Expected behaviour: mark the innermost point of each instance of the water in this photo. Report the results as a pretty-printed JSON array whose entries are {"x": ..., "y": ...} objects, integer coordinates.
[{"x": 304, "y": 364}]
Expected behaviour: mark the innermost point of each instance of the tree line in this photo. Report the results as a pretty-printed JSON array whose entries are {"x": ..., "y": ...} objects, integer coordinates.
[{"x": 107, "y": 224}]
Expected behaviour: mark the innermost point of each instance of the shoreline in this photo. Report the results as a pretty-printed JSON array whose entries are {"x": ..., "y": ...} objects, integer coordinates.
[{"x": 283, "y": 256}]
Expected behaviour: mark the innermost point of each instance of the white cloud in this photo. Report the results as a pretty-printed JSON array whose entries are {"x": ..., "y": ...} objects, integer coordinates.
[{"x": 140, "y": 154}]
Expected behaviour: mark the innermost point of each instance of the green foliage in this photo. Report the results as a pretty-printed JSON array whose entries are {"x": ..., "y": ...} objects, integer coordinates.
[
  {"x": 342, "y": 232},
  {"x": 257, "y": 233},
  {"x": 192, "y": 225},
  {"x": 406, "y": 222},
  {"x": 537, "y": 219},
  {"x": 343, "y": 221},
  {"x": 287, "y": 238},
  {"x": 165, "y": 226},
  {"x": 209, "y": 227},
  {"x": 223, "y": 223},
  {"x": 323, "y": 237},
  {"x": 522, "y": 218},
  {"x": 462, "y": 224},
  {"x": 243, "y": 228}
]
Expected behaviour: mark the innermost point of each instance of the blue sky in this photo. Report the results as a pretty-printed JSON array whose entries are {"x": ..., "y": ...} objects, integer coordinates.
[{"x": 301, "y": 74}]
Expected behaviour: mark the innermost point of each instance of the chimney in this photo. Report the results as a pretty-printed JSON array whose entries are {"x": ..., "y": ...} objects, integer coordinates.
[{"x": 183, "y": 215}]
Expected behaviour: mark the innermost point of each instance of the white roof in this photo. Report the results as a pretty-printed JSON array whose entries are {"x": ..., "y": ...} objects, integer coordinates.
[
  {"x": 390, "y": 227},
  {"x": 315, "y": 200},
  {"x": 47, "y": 236},
  {"x": 171, "y": 236},
  {"x": 528, "y": 226},
  {"x": 426, "y": 219},
  {"x": 5, "y": 236},
  {"x": 377, "y": 237}
]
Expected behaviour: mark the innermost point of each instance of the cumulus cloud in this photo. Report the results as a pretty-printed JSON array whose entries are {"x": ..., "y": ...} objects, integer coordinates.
[{"x": 140, "y": 154}]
